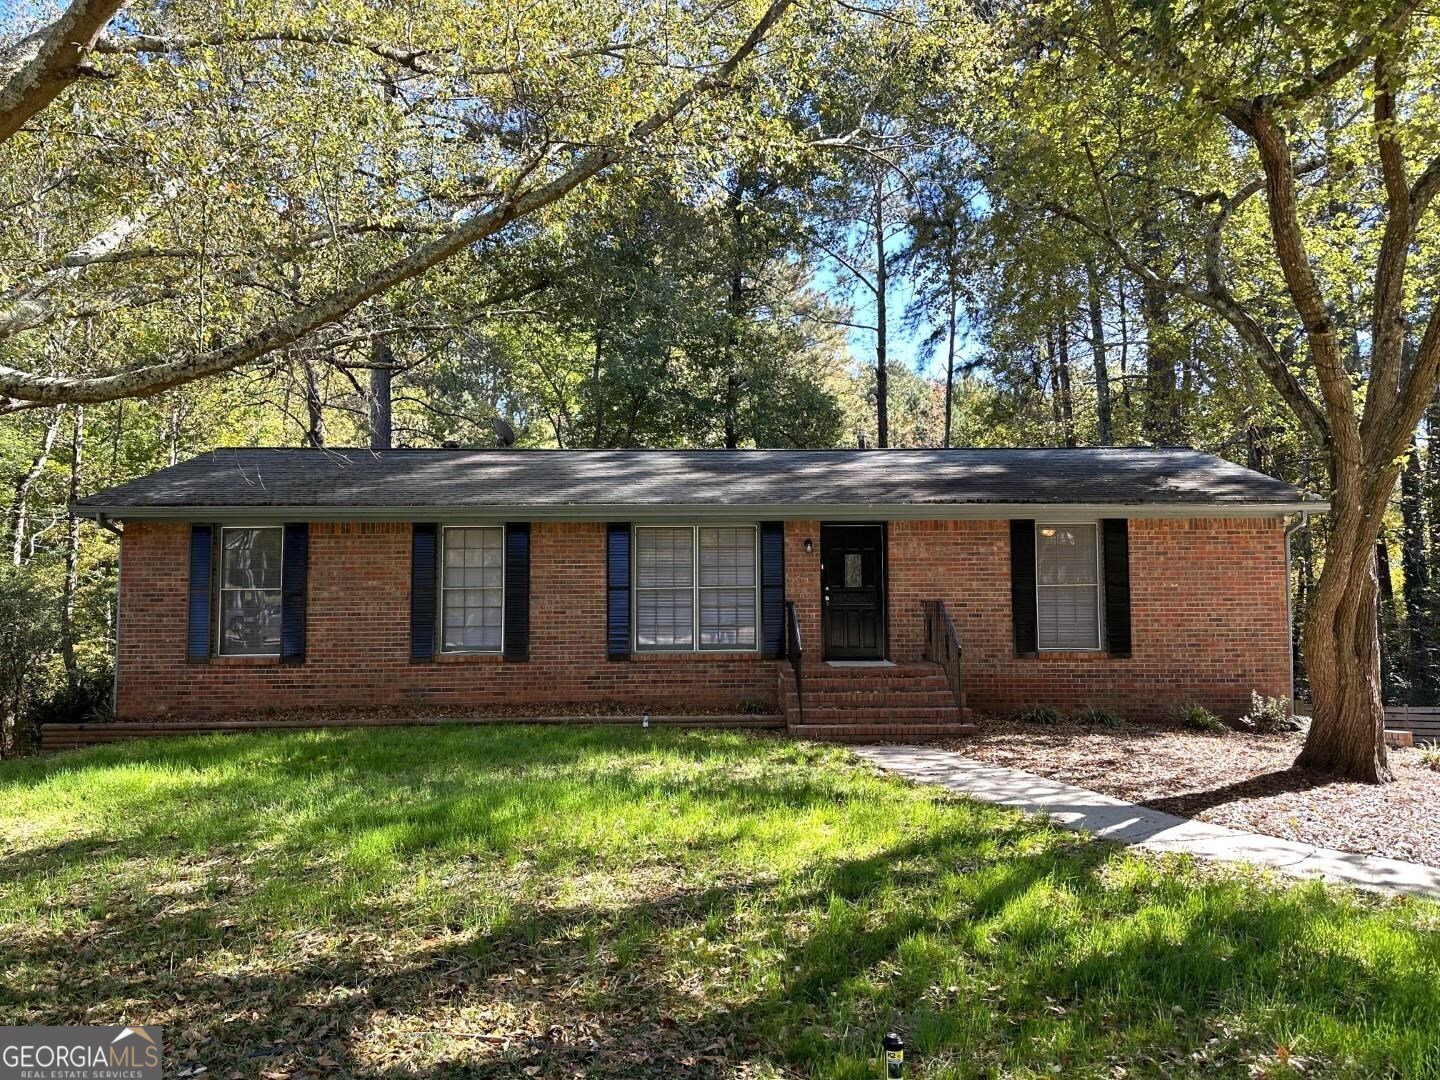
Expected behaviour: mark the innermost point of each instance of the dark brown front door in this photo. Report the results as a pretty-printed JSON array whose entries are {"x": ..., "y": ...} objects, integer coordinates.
[{"x": 852, "y": 581}]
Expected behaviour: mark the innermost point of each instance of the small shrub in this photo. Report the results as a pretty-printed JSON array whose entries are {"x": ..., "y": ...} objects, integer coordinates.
[
  {"x": 1268, "y": 715},
  {"x": 1196, "y": 717},
  {"x": 1094, "y": 716},
  {"x": 89, "y": 700},
  {"x": 1430, "y": 758},
  {"x": 1040, "y": 714}
]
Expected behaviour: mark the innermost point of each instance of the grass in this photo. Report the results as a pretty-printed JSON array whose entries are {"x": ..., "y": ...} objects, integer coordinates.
[{"x": 609, "y": 903}]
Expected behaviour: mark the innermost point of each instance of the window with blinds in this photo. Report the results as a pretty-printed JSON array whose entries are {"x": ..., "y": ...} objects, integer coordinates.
[
  {"x": 1067, "y": 586},
  {"x": 250, "y": 591},
  {"x": 472, "y": 587},
  {"x": 696, "y": 587}
]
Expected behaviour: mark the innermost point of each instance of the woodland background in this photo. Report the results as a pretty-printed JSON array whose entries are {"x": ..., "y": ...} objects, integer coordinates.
[{"x": 884, "y": 231}]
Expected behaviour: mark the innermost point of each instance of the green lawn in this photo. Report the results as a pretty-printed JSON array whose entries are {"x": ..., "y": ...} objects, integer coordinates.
[{"x": 596, "y": 902}]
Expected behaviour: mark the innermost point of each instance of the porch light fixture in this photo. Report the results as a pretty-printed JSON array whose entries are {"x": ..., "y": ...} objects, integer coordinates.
[{"x": 809, "y": 545}]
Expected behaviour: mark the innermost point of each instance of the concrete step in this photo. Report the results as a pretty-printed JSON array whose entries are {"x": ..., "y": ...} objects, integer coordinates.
[
  {"x": 880, "y": 714},
  {"x": 878, "y": 699},
  {"x": 880, "y": 732}
]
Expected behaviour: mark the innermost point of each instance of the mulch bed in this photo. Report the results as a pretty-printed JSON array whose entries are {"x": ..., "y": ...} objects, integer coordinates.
[{"x": 1244, "y": 781}]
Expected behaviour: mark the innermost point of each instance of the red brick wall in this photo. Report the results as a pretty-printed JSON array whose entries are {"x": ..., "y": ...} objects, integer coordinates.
[
  {"x": 358, "y": 645},
  {"x": 1208, "y": 608},
  {"x": 1207, "y": 605}
]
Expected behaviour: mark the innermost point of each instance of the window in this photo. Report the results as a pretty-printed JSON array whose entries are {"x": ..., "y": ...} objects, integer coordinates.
[
  {"x": 1067, "y": 586},
  {"x": 472, "y": 589},
  {"x": 695, "y": 587},
  {"x": 250, "y": 591}
]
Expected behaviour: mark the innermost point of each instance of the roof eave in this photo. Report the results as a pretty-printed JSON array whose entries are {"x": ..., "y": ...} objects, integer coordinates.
[{"x": 707, "y": 511}]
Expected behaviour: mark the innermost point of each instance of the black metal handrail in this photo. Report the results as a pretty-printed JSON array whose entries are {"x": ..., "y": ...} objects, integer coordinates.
[
  {"x": 942, "y": 645},
  {"x": 796, "y": 654}
]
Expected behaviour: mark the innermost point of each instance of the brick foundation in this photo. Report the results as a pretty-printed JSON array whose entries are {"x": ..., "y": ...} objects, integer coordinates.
[{"x": 1208, "y": 610}]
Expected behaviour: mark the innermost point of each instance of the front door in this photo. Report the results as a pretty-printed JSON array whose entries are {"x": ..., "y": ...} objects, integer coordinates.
[{"x": 852, "y": 582}]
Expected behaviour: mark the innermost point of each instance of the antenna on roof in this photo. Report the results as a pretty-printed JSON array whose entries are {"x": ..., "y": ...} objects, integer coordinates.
[{"x": 503, "y": 431}]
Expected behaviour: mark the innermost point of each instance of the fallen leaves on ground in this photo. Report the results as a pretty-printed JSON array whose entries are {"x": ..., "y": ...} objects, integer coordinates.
[{"x": 1243, "y": 781}]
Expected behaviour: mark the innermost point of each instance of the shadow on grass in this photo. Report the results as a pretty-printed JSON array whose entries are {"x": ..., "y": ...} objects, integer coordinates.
[{"x": 996, "y": 942}]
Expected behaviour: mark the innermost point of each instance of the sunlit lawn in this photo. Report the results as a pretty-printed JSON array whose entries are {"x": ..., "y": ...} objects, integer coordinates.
[{"x": 609, "y": 903}]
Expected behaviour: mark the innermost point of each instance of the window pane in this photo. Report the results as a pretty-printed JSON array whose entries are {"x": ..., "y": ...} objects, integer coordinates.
[
  {"x": 1065, "y": 554},
  {"x": 472, "y": 619},
  {"x": 727, "y": 618},
  {"x": 664, "y": 618},
  {"x": 1069, "y": 617},
  {"x": 249, "y": 622},
  {"x": 473, "y": 588},
  {"x": 251, "y": 558},
  {"x": 663, "y": 558},
  {"x": 727, "y": 556}
]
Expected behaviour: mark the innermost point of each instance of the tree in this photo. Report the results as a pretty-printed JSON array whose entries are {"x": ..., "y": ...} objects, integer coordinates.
[
  {"x": 1261, "y": 122},
  {"x": 616, "y": 79}
]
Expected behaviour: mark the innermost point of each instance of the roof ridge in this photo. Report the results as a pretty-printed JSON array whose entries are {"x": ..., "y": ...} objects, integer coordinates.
[{"x": 706, "y": 449}]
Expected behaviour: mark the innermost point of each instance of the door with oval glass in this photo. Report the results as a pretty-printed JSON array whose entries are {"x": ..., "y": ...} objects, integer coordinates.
[{"x": 852, "y": 584}]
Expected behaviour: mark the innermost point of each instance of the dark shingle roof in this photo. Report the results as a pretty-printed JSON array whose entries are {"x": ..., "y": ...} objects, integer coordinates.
[{"x": 562, "y": 480}]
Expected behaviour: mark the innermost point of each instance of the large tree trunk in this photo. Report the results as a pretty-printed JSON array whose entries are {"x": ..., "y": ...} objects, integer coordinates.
[
  {"x": 314, "y": 407},
  {"x": 1159, "y": 419},
  {"x": 950, "y": 366},
  {"x": 1416, "y": 584},
  {"x": 1342, "y": 649},
  {"x": 21, "y": 524},
  {"x": 72, "y": 554},
  {"x": 1163, "y": 350},
  {"x": 1385, "y": 620},
  {"x": 382, "y": 371},
  {"x": 1062, "y": 367},
  {"x": 882, "y": 372},
  {"x": 734, "y": 312},
  {"x": 1105, "y": 425}
]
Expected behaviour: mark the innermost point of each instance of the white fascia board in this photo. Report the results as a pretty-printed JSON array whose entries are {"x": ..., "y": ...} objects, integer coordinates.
[{"x": 457, "y": 514}]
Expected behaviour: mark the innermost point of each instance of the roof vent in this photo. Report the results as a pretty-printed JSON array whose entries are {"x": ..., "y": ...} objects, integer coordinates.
[{"x": 450, "y": 444}]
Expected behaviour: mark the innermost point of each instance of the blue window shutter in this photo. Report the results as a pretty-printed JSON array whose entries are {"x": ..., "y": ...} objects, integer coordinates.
[
  {"x": 202, "y": 555},
  {"x": 294, "y": 564},
  {"x": 772, "y": 589},
  {"x": 517, "y": 590},
  {"x": 1023, "y": 616},
  {"x": 617, "y": 590},
  {"x": 422, "y": 592},
  {"x": 1116, "y": 556}
]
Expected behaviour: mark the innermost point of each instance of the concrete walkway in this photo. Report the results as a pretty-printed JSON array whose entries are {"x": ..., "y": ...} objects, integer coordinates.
[{"x": 1114, "y": 819}]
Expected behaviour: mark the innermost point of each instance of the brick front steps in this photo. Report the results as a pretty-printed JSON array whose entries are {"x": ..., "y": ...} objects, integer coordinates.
[
  {"x": 69, "y": 736},
  {"x": 870, "y": 704}
]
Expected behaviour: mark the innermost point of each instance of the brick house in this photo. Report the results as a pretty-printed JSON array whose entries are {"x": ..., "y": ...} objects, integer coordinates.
[{"x": 683, "y": 581}]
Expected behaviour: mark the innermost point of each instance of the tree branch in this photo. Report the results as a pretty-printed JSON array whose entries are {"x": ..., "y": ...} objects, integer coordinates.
[
  {"x": 413, "y": 59},
  {"x": 1388, "y": 327},
  {"x": 1307, "y": 86},
  {"x": 1335, "y": 387},
  {"x": 39, "y": 67},
  {"x": 30, "y": 387},
  {"x": 1219, "y": 299}
]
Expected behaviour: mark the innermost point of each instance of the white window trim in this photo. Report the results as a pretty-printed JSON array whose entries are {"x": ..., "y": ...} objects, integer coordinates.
[
  {"x": 221, "y": 590},
  {"x": 1099, "y": 588},
  {"x": 440, "y": 591},
  {"x": 695, "y": 588}
]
